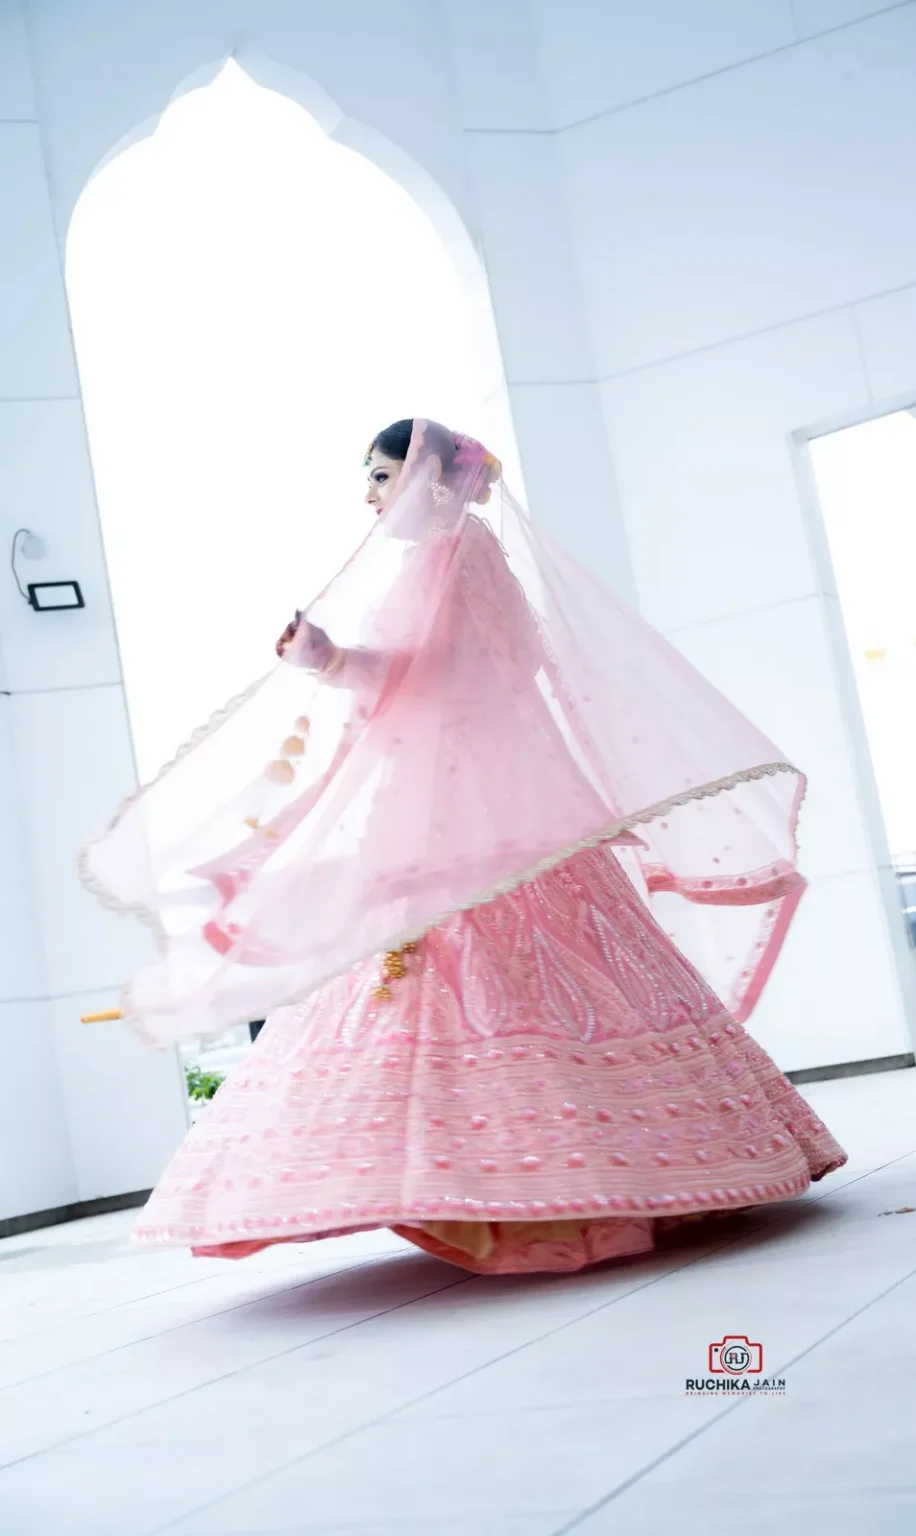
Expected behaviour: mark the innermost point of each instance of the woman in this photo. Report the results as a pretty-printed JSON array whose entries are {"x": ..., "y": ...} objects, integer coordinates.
[{"x": 502, "y": 812}]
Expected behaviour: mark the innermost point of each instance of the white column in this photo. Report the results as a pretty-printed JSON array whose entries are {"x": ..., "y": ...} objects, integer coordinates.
[
  {"x": 518, "y": 205},
  {"x": 84, "y": 1112},
  {"x": 736, "y": 197}
]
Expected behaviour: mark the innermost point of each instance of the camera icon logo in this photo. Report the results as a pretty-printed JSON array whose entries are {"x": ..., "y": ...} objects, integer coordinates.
[{"x": 735, "y": 1355}]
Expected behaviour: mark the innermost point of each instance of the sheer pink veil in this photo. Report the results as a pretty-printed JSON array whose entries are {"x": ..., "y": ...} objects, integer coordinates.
[{"x": 487, "y": 710}]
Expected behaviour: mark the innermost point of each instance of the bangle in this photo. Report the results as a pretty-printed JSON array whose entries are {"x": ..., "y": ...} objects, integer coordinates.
[{"x": 335, "y": 663}]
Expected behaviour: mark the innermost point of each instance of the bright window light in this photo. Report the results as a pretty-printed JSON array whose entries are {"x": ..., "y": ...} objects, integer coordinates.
[
  {"x": 251, "y": 302},
  {"x": 866, "y": 480}
]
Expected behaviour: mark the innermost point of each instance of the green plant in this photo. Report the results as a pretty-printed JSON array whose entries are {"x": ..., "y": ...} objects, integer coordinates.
[{"x": 201, "y": 1085}]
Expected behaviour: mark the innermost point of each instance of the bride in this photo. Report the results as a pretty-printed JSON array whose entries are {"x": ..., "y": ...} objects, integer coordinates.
[{"x": 506, "y": 875}]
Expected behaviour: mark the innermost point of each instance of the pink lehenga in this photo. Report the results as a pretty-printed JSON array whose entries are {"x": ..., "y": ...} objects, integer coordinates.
[{"x": 462, "y": 864}]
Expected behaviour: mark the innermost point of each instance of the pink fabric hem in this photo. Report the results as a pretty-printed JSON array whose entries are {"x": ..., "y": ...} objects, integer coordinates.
[
  {"x": 788, "y": 908},
  {"x": 746, "y": 1005},
  {"x": 261, "y": 1231},
  {"x": 550, "y": 1057}
]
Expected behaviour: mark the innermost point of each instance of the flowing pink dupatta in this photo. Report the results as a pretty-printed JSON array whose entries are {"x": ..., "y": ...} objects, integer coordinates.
[{"x": 489, "y": 710}]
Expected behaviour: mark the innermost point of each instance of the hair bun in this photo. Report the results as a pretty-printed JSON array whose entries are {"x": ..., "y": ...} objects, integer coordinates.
[{"x": 481, "y": 466}]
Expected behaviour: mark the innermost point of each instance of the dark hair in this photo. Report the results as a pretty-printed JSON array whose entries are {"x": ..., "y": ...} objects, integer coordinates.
[{"x": 394, "y": 442}]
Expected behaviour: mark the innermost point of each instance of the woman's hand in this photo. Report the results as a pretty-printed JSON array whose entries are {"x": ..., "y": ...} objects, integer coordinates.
[
  {"x": 288, "y": 635},
  {"x": 313, "y": 647}
]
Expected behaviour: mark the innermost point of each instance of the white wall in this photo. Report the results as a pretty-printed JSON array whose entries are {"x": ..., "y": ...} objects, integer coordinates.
[
  {"x": 697, "y": 225},
  {"x": 91, "y": 1113},
  {"x": 83, "y": 1113},
  {"x": 740, "y": 193}
]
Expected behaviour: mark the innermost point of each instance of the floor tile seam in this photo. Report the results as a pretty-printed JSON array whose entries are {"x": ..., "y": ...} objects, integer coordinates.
[
  {"x": 664, "y": 1393},
  {"x": 133, "y": 1301},
  {"x": 182, "y": 1285},
  {"x": 899, "y": 1280},
  {"x": 392, "y": 1413},
  {"x": 637, "y": 1477},
  {"x": 213, "y": 1381},
  {"x": 284, "y": 1290},
  {"x": 655, "y": 1279},
  {"x": 792, "y": 1211},
  {"x": 824, "y": 1190},
  {"x": 348, "y": 1527}
]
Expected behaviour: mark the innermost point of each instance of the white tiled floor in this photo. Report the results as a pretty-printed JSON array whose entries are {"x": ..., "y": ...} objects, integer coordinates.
[{"x": 359, "y": 1388}]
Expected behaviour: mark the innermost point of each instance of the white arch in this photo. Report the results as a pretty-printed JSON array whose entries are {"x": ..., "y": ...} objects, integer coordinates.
[
  {"x": 376, "y": 147},
  {"x": 153, "y": 510}
]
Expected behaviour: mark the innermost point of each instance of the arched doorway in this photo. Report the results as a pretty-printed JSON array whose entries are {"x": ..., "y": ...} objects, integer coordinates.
[{"x": 251, "y": 301}]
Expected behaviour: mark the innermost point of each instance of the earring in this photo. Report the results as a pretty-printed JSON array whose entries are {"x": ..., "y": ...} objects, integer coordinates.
[{"x": 440, "y": 492}]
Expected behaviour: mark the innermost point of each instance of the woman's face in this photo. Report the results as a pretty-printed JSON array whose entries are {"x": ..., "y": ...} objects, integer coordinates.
[{"x": 384, "y": 474}]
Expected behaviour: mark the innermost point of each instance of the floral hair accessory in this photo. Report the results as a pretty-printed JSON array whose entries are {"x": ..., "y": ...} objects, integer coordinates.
[{"x": 471, "y": 455}]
